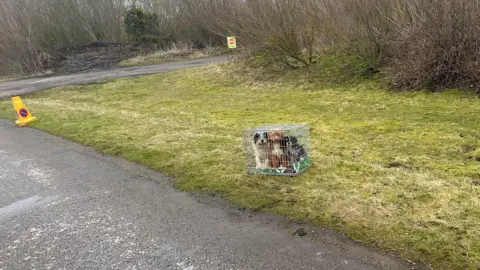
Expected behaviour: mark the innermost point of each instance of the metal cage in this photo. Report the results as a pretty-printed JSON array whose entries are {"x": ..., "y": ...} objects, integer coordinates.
[{"x": 279, "y": 149}]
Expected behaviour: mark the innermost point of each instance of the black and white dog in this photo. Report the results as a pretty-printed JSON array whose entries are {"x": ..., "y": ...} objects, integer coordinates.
[
  {"x": 294, "y": 151},
  {"x": 260, "y": 146}
]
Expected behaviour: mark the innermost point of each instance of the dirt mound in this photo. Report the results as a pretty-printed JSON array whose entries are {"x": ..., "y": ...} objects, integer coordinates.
[{"x": 95, "y": 56}]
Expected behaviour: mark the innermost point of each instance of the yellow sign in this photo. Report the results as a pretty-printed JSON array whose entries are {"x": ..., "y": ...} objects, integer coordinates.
[
  {"x": 23, "y": 115},
  {"x": 232, "y": 42}
]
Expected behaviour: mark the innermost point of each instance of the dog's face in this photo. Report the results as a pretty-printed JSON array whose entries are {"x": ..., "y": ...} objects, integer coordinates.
[
  {"x": 288, "y": 141},
  {"x": 260, "y": 138},
  {"x": 275, "y": 136}
]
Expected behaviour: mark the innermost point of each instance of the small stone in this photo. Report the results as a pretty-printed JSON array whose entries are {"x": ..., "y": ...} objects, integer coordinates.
[
  {"x": 300, "y": 232},
  {"x": 291, "y": 201},
  {"x": 396, "y": 164}
]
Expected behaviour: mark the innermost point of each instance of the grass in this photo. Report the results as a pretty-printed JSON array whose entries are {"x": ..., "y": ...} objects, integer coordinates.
[
  {"x": 398, "y": 171},
  {"x": 161, "y": 57}
]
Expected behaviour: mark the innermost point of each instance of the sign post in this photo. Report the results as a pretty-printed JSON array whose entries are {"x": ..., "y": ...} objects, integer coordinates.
[
  {"x": 232, "y": 42},
  {"x": 232, "y": 45}
]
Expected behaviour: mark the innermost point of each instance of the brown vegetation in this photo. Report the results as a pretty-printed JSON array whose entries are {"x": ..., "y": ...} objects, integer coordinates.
[{"x": 413, "y": 43}]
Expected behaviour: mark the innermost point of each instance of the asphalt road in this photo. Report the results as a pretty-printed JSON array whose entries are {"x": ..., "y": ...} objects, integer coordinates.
[
  {"x": 65, "y": 206},
  {"x": 29, "y": 85}
]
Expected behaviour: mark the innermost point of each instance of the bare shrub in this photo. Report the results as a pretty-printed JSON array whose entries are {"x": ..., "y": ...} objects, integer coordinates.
[
  {"x": 362, "y": 27},
  {"x": 31, "y": 27},
  {"x": 284, "y": 30},
  {"x": 416, "y": 43},
  {"x": 438, "y": 46}
]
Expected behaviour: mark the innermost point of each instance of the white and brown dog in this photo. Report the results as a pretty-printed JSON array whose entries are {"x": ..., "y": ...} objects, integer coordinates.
[
  {"x": 261, "y": 148},
  {"x": 275, "y": 152}
]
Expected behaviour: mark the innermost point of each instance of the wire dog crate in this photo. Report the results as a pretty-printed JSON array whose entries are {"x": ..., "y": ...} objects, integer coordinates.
[{"x": 281, "y": 149}]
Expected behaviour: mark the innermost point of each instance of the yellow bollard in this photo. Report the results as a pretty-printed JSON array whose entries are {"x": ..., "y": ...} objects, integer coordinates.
[{"x": 23, "y": 115}]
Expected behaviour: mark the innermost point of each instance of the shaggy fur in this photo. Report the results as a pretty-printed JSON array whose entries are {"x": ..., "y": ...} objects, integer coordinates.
[{"x": 261, "y": 146}]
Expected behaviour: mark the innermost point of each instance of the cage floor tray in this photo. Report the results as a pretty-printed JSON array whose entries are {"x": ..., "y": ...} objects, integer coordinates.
[{"x": 298, "y": 168}]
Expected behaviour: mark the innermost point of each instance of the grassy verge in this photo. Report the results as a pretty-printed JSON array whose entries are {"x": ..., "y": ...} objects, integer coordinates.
[
  {"x": 161, "y": 57},
  {"x": 399, "y": 171}
]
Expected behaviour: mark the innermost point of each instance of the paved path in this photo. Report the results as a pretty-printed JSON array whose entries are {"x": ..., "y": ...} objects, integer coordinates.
[
  {"x": 64, "y": 206},
  {"x": 29, "y": 85}
]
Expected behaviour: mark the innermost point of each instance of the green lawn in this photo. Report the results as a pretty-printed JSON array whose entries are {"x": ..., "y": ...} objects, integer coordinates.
[{"x": 399, "y": 171}]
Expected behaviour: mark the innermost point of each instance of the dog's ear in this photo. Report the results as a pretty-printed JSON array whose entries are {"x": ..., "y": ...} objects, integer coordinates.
[
  {"x": 287, "y": 140},
  {"x": 293, "y": 140},
  {"x": 256, "y": 137},
  {"x": 265, "y": 135}
]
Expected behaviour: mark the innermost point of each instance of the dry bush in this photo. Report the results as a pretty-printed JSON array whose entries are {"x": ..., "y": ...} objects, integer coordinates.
[
  {"x": 284, "y": 30},
  {"x": 180, "y": 24},
  {"x": 29, "y": 28},
  {"x": 438, "y": 46},
  {"x": 416, "y": 43},
  {"x": 19, "y": 42},
  {"x": 79, "y": 22},
  {"x": 362, "y": 27}
]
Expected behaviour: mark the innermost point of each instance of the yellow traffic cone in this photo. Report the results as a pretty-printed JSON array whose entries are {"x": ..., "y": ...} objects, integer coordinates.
[{"x": 23, "y": 115}]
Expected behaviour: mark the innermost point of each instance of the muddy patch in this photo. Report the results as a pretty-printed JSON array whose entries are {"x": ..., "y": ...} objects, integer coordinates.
[{"x": 92, "y": 57}]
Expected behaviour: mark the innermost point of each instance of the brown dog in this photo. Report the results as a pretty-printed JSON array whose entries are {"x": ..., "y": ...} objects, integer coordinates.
[{"x": 275, "y": 152}]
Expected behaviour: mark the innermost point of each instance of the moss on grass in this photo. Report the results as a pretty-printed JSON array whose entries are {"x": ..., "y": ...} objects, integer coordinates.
[{"x": 392, "y": 169}]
